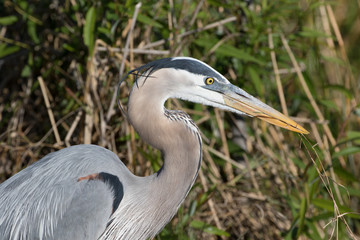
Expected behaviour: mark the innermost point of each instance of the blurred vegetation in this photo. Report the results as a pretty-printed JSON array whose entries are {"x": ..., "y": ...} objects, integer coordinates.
[{"x": 301, "y": 57}]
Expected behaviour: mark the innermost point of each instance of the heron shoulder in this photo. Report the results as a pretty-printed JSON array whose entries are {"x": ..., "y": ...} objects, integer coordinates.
[{"x": 43, "y": 199}]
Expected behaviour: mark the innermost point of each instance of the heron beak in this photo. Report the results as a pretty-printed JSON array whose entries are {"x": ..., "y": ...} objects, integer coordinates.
[{"x": 238, "y": 99}]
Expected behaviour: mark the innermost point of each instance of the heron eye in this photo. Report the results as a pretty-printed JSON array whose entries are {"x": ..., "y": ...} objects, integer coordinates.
[{"x": 209, "y": 81}]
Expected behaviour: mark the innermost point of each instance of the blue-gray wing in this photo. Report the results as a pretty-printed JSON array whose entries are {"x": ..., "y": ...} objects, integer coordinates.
[{"x": 69, "y": 194}]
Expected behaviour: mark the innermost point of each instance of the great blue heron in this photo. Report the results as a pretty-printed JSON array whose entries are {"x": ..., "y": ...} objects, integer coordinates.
[{"x": 86, "y": 192}]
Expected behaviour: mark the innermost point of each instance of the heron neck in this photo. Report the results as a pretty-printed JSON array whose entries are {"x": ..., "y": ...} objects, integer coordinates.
[{"x": 175, "y": 135}]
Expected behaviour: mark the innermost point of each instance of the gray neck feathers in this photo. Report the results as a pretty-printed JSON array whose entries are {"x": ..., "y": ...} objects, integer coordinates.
[
  {"x": 175, "y": 134},
  {"x": 172, "y": 132}
]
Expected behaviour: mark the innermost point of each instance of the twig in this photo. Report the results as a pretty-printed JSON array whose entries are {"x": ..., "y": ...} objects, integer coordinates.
[
  {"x": 252, "y": 176},
  {"x": 103, "y": 124},
  {"x": 29, "y": 16},
  {"x": 302, "y": 79},
  {"x": 212, "y": 25},
  {"x": 212, "y": 167},
  {"x": 89, "y": 117},
  {"x": 133, "y": 21},
  {"x": 218, "y": 44},
  {"x": 324, "y": 145},
  {"x": 50, "y": 113},
  {"x": 72, "y": 128},
  {"x": 349, "y": 77},
  {"x": 277, "y": 74},
  {"x": 224, "y": 157},
  {"x": 42, "y": 140},
  {"x": 220, "y": 122},
  {"x": 210, "y": 202},
  {"x": 292, "y": 70},
  {"x": 111, "y": 110},
  {"x": 307, "y": 120},
  {"x": 135, "y": 50},
  {"x": 172, "y": 18},
  {"x": 333, "y": 71},
  {"x": 323, "y": 176},
  {"x": 16, "y": 43},
  {"x": 310, "y": 97},
  {"x": 197, "y": 9}
]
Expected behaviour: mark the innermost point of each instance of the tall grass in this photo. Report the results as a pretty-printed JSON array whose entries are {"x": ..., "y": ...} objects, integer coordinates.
[{"x": 60, "y": 62}]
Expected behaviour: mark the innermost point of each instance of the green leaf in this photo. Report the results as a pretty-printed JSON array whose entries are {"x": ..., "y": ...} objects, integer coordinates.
[
  {"x": 192, "y": 209},
  {"x": 335, "y": 60},
  {"x": 342, "y": 89},
  {"x": 345, "y": 175},
  {"x": 7, "y": 50},
  {"x": 103, "y": 30},
  {"x": 89, "y": 29},
  {"x": 148, "y": 21},
  {"x": 232, "y": 51},
  {"x": 68, "y": 47},
  {"x": 346, "y": 151},
  {"x": 31, "y": 28},
  {"x": 8, "y": 20},
  {"x": 208, "y": 228},
  {"x": 300, "y": 164},
  {"x": 311, "y": 33},
  {"x": 353, "y": 191},
  {"x": 302, "y": 211},
  {"x": 329, "y": 104},
  {"x": 353, "y": 136},
  {"x": 259, "y": 86},
  {"x": 26, "y": 71},
  {"x": 229, "y": 51},
  {"x": 314, "y": 233},
  {"x": 329, "y": 206}
]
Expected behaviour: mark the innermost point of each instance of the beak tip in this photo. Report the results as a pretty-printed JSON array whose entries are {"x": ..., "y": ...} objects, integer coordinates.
[
  {"x": 260, "y": 110},
  {"x": 304, "y": 131},
  {"x": 299, "y": 129}
]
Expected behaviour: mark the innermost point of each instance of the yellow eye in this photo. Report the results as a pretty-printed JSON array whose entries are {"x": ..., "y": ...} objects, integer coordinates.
[{"x": 209, "y": 81}]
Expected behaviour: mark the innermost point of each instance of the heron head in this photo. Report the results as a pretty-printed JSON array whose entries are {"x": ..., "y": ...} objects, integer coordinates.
[{"x": 192, "y": 80}]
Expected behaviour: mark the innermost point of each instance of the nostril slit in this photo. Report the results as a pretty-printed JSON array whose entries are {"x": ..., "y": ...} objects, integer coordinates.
[{"x": 242, "y": 95}]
